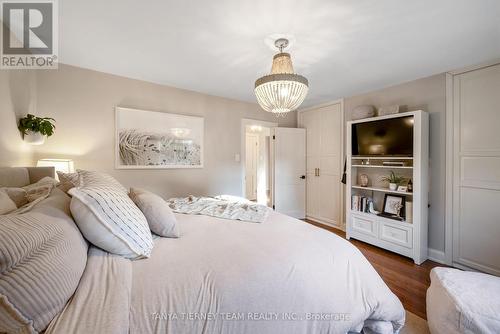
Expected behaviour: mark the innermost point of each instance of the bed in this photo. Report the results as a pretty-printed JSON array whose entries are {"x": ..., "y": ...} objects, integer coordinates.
[{"x": 228, "y": 276}]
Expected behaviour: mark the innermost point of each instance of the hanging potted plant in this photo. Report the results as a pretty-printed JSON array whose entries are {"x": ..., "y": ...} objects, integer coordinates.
[
  {"x": 36, "y": 129},
  {"x": 393, "y": 179}
]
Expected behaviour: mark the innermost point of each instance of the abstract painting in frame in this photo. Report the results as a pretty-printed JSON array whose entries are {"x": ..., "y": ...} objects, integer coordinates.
[{"x": 157, "y": 140}]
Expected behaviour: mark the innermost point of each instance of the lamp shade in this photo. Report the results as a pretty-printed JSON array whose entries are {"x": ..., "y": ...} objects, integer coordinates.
[{"x": 60, "y": 165}]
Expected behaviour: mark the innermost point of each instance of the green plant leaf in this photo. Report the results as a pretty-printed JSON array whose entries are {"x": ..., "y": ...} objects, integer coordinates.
[{"x": 44, "y": 125}]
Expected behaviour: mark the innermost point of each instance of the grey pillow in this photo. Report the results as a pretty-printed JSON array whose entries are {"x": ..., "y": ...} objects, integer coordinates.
[
  {"x": 160, "y": 217},
  {"x": 17, "y": 195},
  {"x": 6, "y": 203},
  {"x": 42, "y": 258}
]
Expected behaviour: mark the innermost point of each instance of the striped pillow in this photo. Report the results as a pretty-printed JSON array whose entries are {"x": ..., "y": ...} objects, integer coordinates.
[
  {"x": 68, "y": 180},
  {"x": 42, "y": 257},
  {"x": 108, "y": 218}
]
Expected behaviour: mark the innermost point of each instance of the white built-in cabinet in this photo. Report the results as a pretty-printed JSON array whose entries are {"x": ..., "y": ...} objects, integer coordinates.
[
  {"x": 407, "y": 237},
  {"x": 324, "y": 162},
  {"x": 474, "y": 168}
]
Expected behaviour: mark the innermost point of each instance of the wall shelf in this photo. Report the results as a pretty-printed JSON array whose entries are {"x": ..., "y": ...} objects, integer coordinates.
[
  {"x": 382, "y": 157},
  {"x": 384, "y": 190},
  {"x": 382, "y": 166}
]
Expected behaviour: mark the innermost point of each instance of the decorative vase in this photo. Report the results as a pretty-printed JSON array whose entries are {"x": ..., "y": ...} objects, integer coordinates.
[
  {"x": 34, "y": 138},
  {"x": 363, "y": 180},
  {"x": 393, "y": 186}
]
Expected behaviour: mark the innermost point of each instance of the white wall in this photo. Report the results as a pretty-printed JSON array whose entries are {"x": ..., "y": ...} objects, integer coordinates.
[
  {"x": 82, "y": 102},
  {"x": 428, "y": 94},
  {"x": 17, "y": 98}
]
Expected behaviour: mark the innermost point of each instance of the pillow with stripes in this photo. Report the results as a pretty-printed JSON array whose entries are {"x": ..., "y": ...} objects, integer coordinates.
[{"x": 108, "y": 218}]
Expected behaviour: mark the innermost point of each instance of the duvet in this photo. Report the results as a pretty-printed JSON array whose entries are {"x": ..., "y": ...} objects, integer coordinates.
[{"x": 228, "y": 276}]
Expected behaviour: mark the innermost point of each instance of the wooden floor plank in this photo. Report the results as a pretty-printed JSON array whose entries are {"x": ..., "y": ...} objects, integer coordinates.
[{"x": 407, "y": 280}]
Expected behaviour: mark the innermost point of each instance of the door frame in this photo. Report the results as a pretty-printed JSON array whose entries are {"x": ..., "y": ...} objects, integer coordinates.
[
  {"x": 243, "y": 152},
  {"x": 342, "y": 150},
  {"x": 451, "y": 208},
  {"x": 256, "y": 139}
]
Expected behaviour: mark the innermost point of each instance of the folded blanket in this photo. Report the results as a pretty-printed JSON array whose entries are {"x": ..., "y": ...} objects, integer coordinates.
[{"x": 220, "y": 208}]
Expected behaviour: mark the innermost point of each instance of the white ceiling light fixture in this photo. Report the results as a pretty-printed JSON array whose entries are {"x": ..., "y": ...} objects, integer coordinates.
[{"x": 281, "y": 91}]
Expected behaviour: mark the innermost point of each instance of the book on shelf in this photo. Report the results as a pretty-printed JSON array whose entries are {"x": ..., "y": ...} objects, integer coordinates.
[{"x": 360, "y": 203}]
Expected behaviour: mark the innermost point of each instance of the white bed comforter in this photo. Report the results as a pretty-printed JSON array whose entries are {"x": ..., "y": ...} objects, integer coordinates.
[{"x": 225, "y": 276}]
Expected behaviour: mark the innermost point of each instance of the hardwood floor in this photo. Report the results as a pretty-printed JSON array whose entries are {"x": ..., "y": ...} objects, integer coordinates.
[{"x": 407, "y": 280}]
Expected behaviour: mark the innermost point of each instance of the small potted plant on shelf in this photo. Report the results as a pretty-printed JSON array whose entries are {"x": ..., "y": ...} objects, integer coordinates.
[
  {"x": 36, "y": 129},
  {"x": 393, "y": 179}
]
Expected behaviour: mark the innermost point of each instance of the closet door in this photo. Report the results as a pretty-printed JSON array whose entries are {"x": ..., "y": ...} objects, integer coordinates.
[
  {"x": 311, "y": 122},
  {"x": 476, "y": 167},
  {"x": 324, "y": 159},
  {"x": 329, "y": 165}
]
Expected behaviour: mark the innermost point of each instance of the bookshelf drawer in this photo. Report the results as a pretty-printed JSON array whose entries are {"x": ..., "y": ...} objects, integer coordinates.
[
  {"x": 363, "y": 225},
  {"x": 396, "y": 234}
]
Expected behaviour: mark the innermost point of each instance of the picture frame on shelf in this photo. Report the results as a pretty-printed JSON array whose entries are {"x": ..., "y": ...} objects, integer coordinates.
[
  {"x": 394, "y": 205},
  {"x": 402, "y": 189}
]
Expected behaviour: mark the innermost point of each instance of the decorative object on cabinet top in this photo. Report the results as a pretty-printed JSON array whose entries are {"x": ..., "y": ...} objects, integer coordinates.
[
  {"x": 363, "y": 111},
  {"x": 388, "y": 110}
]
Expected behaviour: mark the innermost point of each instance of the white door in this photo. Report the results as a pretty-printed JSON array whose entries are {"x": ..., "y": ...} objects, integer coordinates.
[
  {"x": 251, "y": 168},
  {"x": 476, "y": 167},
  {"x": 311, "y": 121},
  {"x": 330, "y": 163},
  {"x": 289, "y": 171},
  {"x": 324, "y": 163}
]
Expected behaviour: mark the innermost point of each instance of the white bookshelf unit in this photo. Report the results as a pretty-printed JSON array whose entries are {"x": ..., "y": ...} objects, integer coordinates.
[{"x": 407, "y": 237}]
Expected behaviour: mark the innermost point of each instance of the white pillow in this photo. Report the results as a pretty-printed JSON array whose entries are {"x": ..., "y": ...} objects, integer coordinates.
[
  {"x": 108, "y": 218},
  {"x": 160, "y": 217}
]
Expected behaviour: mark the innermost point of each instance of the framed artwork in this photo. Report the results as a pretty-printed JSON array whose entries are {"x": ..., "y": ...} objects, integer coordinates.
[
  {"x": 394, "y": 205},
  {"x": 157, "y": 140}
]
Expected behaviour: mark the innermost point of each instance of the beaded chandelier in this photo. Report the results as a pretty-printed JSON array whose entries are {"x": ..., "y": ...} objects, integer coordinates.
[{"x": 281, "y": 91}]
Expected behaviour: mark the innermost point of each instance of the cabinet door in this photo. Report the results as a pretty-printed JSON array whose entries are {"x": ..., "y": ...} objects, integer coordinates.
[{"x": 330, "y": 162}]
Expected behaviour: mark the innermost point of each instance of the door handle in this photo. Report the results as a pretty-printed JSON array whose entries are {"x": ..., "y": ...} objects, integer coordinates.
[{"x": 302, "y": 177}]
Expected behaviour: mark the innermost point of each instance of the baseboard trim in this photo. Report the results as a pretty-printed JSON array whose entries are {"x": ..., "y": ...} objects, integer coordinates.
[
  {"x": 322, "y": 222},
  {"x": 436, "y": 255}
]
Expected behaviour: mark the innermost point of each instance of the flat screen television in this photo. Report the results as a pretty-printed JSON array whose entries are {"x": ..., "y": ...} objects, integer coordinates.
[{"x": 393, "y": 137}]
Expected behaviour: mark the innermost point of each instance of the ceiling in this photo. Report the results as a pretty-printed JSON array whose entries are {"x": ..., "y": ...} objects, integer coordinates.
[{"x": 218, "y": 47}]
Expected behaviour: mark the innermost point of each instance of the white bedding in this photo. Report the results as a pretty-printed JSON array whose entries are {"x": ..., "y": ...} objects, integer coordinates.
[
  {"x": 220, "y": 207},
  {"x": 226, "y": 276}
]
